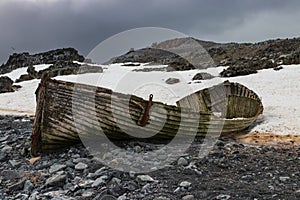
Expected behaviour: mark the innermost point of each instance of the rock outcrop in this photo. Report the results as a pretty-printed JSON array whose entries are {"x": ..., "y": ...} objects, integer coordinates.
[
  {"x": 245, "y": 58},
  {"x": 62, "y": 61},
  {"x": 59, "y": 68},
  {"x": 6, "y": 84},
  {"x": 154, "y": 56},
  {"x": 16, "y": 61}
]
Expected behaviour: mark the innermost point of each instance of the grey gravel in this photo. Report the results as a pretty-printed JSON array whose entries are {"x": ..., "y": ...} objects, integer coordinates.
[{"x": 259, "y": 172}]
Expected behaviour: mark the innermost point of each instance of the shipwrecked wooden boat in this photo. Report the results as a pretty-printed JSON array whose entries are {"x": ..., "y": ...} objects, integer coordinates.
[{"x": 64, "y": 109}]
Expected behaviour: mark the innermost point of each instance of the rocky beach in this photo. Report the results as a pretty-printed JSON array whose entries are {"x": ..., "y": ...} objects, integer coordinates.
[{"x": 230, "y": 171}]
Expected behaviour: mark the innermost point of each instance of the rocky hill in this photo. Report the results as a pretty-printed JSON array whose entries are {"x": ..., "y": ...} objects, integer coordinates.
[
  {"x": 178, "y": 54},
  {"x": 61, "y": 63},
  {"x": 247, "y": 58},
  {"x": 243, "y": 58}
]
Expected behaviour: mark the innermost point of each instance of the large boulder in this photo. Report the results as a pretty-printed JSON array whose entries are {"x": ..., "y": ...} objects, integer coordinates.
[
  {"x": 6, "y": 84},
  {"x": 203, "y": 76}
]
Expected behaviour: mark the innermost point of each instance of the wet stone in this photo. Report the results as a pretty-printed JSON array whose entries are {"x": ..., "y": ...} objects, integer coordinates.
[
  {"x": 3, "y": 139},
  {"x": 161, "y": 198},
  {"x": 56, "y": 180},
  {"x": 7, "y": 149},
  {"x": 247, "y": 177},
  {"x": 81, "y": 166},
  {"x": 56, "y": 168},
  {"x": 17, "y": 186},
  {"x": 185, "y": 184},
  {"x": 145, "y": 178},
  {"x": 131, "y": 186},
  {"x": 123, "y": 197},
  {"x": 162, "y": 157},
  {"x": 284, "y": 178},
  {"x": 88, "y": 193},
  {"x": 182, "y": 162},
  {"x": 14, "y": 163},
  {"x": 223, "y": 197},
  {"x": 99, "y": 181},
  {"x": 28, "y": 186},
  {"x": 177, "y": 190},
  {"x": 188, "y": 197},
  {"x": 3, "y": 157},
  {"x": 116, "y": 181},
  {"x": 81, "y": 160}
]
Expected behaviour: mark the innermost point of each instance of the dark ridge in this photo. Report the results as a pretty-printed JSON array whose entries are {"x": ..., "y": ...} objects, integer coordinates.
[
  {"x": 154, "y": 56},
  {"x": 16, "y": 61},
  {"x": 242, "y": 58}
]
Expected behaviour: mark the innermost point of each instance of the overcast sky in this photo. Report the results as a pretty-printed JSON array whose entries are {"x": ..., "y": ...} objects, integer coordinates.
[{"x": 40, "y": 25}]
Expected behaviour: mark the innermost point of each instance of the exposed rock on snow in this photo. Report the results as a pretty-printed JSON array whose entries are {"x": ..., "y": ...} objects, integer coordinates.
[
  {"x": 6, "y": 84},
  {"x": 203, "y": 76},
  {"x": 172, "y": 81},
  {"x": 155, "y": 57},
  {"x": 16, "y": 61},
  {"x": 244, "y": 58}
]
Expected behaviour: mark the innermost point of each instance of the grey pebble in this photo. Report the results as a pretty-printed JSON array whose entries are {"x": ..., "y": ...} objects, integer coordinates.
[
  {"x": 81, "y": 166},
  {"x": 28, "y": 186},
  {"x": 182, "y": 162},
  {"x": 99, "y": 181},
  {"x": 185, "y": 184},
  {"x": 56, "y": 180},
  {"x": 145, "y": 178},
  {"x": 56, "y": 167},
  {"x": 188, "y": 197}
]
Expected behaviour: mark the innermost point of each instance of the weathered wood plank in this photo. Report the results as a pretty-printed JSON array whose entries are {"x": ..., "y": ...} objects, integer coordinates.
[{"x": 58, "y": 102}]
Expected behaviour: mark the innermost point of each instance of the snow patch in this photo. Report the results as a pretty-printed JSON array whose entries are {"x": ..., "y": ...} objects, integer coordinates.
[
  {"x": 14, "y": 75},
  {"x": 41, "y": 67}
]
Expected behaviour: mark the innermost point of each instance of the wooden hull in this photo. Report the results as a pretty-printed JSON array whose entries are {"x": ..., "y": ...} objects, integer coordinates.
[{"x": 64, "y": 109}]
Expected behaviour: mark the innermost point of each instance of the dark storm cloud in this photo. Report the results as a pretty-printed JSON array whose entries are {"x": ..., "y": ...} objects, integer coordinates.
[{"x": 32, "y": 25}]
